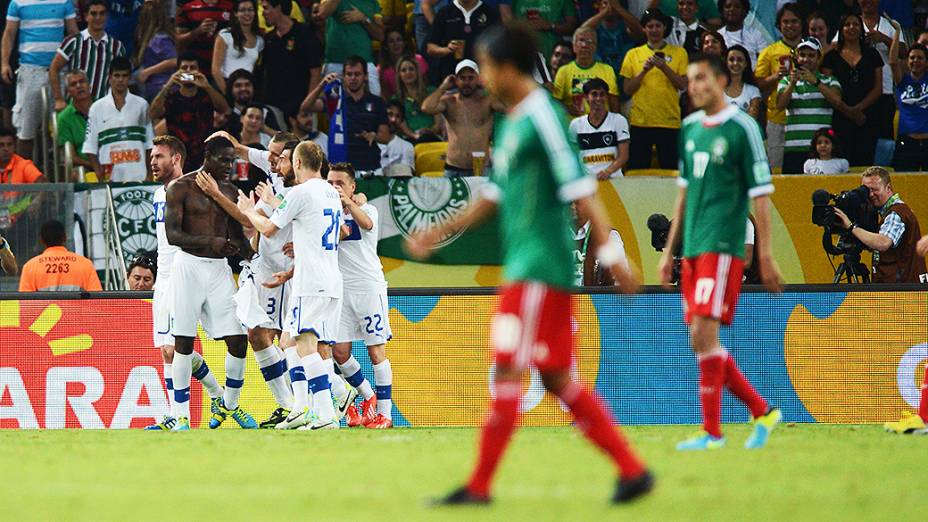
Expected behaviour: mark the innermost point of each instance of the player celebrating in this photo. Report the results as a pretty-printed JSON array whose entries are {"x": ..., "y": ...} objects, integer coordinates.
[
  {"x": 722, "y": 166},
  {"x": 536, "y": 175},
  {"x": 314, "y": 208},
  {"x": 365, "y": 312},
  {"x": 203, "y": 287},
  {"x": 167, "y": 160}
]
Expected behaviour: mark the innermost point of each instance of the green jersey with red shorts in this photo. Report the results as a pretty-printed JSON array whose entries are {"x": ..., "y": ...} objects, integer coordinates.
[
  {"x": 536, "y": 175},
  {"x": 722, "y": 167}
]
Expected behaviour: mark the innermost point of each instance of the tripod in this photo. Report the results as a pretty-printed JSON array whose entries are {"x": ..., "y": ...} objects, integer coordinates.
[{"x": 852, "y": 270}]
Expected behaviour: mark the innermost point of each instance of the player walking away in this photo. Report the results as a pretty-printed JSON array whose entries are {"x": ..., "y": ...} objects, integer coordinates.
[
  {"x": 722, "y": 166},
  {"x": 365, "y": 311},
  {"x": 167, "y": 161},
  {"x": 536, "y": 176},
  {"x": 314, "y": 208},
  {"x": 270, "y": 259},
  {"x": 203, "y": 287}
]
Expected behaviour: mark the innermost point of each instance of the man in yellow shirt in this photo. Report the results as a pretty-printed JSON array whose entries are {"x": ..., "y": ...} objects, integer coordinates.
[
  {"x": 570, "y": 79},
  {"x": 773, "y": 64},
  {"x": 654, "y": 74},
  {"x": 56, "y": 268}
]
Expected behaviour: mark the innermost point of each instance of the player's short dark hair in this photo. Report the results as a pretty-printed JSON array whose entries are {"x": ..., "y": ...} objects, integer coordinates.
[
  {"x": 290, "y": 145},
  {"x": 217, "y": 144},
  {"x": 791, "y": 7},
  {"x": 594, "y": 84},
  {"x": 53, "y": 233},
  {"x": 189, "y": 56},
  {"x": 238, "y": 74},
  {"x": 714, "y": 62},
  {"x": 355, "y": 60},
  {"x": 513, "y": 43},
  {"x": 398, "y": 106},
  {"x": 173, "y": 143},
  {"x": 347, "y": 168},
  {"x": 7, "y": 131},
  {"x": 120, "y": 64}
]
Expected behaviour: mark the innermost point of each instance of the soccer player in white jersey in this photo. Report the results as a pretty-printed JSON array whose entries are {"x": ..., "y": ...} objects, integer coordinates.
[
  {"x": 167, "y": 160},
  {"x": 314, "y": 207},
  {"x": 365, "y": 311}
]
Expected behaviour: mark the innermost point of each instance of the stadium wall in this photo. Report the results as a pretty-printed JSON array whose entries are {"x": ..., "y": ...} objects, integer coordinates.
[{"x": 821, "y": 354}]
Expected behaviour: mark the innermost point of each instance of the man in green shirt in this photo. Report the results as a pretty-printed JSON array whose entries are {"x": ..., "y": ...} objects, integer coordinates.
[
  {"x": 350, "y": 28},
  {"x": 551, "y": 19},
  {"x": 72, "y": 121},
  {"x": 536, "y": 175},
  {"x": 722, "y": 166}
]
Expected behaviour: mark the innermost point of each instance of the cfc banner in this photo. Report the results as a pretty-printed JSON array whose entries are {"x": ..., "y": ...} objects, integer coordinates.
[{"x": 836, "y": 357}]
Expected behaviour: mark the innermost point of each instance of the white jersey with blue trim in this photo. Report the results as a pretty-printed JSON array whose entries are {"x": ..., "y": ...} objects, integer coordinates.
[
  {"x": 315, "y": 210},
  {"x": 166, "y": 250},
  {"x": 271, "y": 258},
  {"x": 357, "y": 255}
]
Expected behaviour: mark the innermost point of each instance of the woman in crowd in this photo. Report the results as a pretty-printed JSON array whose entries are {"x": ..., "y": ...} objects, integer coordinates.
[
  {"x": 858, "y": 68},
  {"x": 712, "y": 42},
  {"x": 742, "y": 89},
  {"x": 156, "y": 57},
  {"x": 395, "y": 47},
  {"x": 239, "y": 46},
  {"x": 411, "y": 91},
  {"x": 911, "y": 93},
  {"x": 817, "y": 26}
]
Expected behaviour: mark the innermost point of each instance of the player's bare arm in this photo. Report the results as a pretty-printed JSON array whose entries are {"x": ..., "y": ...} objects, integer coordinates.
[
  {"x": 589, "y": 209},
  {"x": 769, "y": 270},
  {"x": 186, "y": 214},
  {"x": 420, "y": 245},
  {"x": 665, "y": 265}
]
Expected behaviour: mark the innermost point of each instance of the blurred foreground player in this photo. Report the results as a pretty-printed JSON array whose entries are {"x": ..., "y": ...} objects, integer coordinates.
[
  {"x": 536, "y": 176},
  {"x": 722, "y": 166}
]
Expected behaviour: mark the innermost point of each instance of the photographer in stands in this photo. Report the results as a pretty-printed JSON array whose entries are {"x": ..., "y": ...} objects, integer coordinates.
[{"x": 894, "y": 256}]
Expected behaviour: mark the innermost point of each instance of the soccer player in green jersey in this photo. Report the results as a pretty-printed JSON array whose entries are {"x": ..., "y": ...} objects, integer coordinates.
[
  {"x": 722, "y": 166},
  {"x": 536, "y": 175}
]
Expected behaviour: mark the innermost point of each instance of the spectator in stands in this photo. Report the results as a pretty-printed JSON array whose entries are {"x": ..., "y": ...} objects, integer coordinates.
[
  {"x": 72, "y": 121},
  {"x": 90, "y": 50},
  {"x": 809, "y": 98},
  {"x": 601, "y": 135},
  {"x": 894, "y": 257},
  {"x": 7, "y": 259},
  {"x": 119, "y": 132},
  {"x": 394, "y": 150},
  {"x": 654, "y": 73},
  {"x": 859, "y": 70},
  {"x": 742, "y": 90},
  {"x": 364, "y": 116},
  {"x": 187, "y": 102},
  {"x": 411, "y": 92},
  {"x": 124, "y": 18},
  {"x": 706, "y": 10},
  {"x": 825, "y": 155},
  {"x": 712, "y": 42},
  {"x": 912, "y": 98},
  {"x": 562, "y": 54},
  {"x": 36, "y": 29},
  {"x": 922, "y": 37},
  {"x": 454, "y": 32},
  {"x": 57, "y": 268},
  {"x": 568, "y": 84},
  {"x": 423, "y": 15},
  {"x": 617, "y": 30},
  {"x": 295, "y": 14},
  {"x": 775, "y": 63},
  {"x": 13, "y": 167},
  {"x": 817, "y": 26},
  {"x": 239, "y": 46},
  {"x": 685, "y": 28},
  {"x": 142, "y": 274},
  {"x": 242, "y": 94},
  {"x": 303, "y": 126},
  {"x": 752, "y": 37},
  {"x": 551, "y": 20},
  {"x": 252, "y": 127},
  {"x": 156, "y": 54},
  {"x": 469, "y": 117},
  {"x": 292, "y": 58},
  {"x": 351, "y": 26},
  {"x": 394, "y": 48},
  {"x": 198, "y": 21}
]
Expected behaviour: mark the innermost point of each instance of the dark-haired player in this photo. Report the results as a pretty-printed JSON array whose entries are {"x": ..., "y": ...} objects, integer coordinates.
[
  {"x": 536, "y": 176},
  {"x": 723, "y": 165}
]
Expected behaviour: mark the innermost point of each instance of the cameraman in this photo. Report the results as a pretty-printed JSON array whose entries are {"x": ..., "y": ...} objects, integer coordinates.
[{"x": 894, "y": 256}]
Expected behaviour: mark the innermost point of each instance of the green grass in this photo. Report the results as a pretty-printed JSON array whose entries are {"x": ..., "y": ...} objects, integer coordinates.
[{"x": 808, "y": 472}]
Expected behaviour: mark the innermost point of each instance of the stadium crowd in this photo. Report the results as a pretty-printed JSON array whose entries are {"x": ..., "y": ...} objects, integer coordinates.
[{"x": 835, "y": 84}]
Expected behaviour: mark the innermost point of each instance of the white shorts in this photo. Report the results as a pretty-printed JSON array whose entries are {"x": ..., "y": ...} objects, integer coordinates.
[
  {"x": 314, "y": 314},
  {"x": 204, "y": 291},
  {"x": 27, "y": 113},
  {"x": 161, "y": 312},
  {"x": 365, "y": 317},
  {"x": 274, "y": 301}
]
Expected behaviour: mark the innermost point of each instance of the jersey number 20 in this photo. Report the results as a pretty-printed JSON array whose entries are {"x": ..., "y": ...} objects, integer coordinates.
[{"x": 330, "y": 236}]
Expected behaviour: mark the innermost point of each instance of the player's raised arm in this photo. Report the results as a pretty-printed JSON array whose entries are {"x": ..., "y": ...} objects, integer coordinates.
[{"x": 420, "y": 245}]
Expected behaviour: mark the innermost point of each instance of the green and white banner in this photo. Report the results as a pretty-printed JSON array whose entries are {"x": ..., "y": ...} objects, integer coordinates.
[{"x": 135, "y": 219}]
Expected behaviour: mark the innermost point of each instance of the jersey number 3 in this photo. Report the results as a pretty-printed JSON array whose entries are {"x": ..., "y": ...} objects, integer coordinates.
[{"x": 330, "y": 236}]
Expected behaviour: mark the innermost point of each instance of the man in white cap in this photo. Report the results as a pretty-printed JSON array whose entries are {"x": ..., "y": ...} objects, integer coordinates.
[{"x": 468, "y": 110}]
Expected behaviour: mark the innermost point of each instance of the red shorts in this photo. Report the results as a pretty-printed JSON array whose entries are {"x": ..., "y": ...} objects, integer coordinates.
[
  {"x": 533, "y": 326},
  {"x": 711, "y": 283}
]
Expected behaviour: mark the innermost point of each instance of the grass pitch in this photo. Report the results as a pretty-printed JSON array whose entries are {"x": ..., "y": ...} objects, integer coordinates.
[{"x": 808, "y": 472}]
